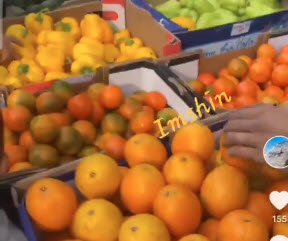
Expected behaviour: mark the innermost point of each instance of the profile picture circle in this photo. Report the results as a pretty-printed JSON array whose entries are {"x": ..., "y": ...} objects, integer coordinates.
[{"x": 276, "y": 152}]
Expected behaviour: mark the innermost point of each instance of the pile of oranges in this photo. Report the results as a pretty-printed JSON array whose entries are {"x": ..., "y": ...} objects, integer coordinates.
[
  {"x": 249, "y": 81},
  {"x": 198, "y": 193},
  {"x": 59, "y": 126}
]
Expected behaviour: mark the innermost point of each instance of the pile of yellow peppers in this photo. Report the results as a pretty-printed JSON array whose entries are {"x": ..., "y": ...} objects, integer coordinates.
[{"x": 67, "y": 48}]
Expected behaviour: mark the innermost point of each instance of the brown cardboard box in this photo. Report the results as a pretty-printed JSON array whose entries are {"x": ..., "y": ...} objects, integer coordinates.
[{"x": 138, "y": 21}]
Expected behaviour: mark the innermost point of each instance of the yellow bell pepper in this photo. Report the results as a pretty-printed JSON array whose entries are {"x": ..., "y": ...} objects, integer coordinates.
[
  {"x": 69, "y": 25},
  {"x": 95, "y": 27},
  {"x": 86, "y": 64},
  {"x": 63, "y": 40},
  {"x": 21, "y": 33},
  {"x": 55, "y": 75},
  {"x": 13, "y": 81},
  {"x": 3, "y": 74},
  {"x": 185, "y": 22},
  {"x": 96, "y": 48},
  {"x": 122, "y": 35},
  {"x": 27, "y": 70},
  {"x": 145, "y": 52},
  {"x": 111, "y": 53},
  {"x": 28, "y": 51},
  {"x": 36, "y": 22},
  {"x": 129, "y": 47},
  {"x": 51, "y": 58}
]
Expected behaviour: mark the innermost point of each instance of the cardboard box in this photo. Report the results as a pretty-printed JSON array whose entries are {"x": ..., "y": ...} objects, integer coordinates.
[
  {"x": 121, "y": 14},
  {"x": 221, "y": 39}
]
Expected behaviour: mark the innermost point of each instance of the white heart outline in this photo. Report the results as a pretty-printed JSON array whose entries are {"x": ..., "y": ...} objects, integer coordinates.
[
  {"x": 274, "y": 199},
  {"x": 279, "y": 238}
]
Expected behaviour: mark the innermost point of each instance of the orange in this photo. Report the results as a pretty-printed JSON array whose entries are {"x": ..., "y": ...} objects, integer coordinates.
[
  {"x": 242, "y": 225},
  {"x": 97, "y": 219},
  {"x": 238, "y": 68},
  {"x": 166, "y": 114},
  {"x": 194, "y": 237},
  {"x": 224, "y": 86},
  {"x": 114, "y": 147},
  {"x": 61, "y": 119},
  {"x": 144, "y": 148},
  {"x": 10, "y": 137},
  {"x": 99, "y": 171},
  {"x": 184, "y": 141},
  {"x": 18, "y": 118},
  {"x": 129, "y": 108},
  {"x": 273, "y": 174},
  {"x": 22, "y": 98},
  {"x": 270, "y": 100},
  {"x": 143, "y": 227},
  {"x": 63, "y": 90},
  {"x": 16, "y": 154},
  {"x": 111, "y": 97},
  {"x": 20, "y": 166},
  {"x": 247, "y": 88},
  {"x": 197, "y": 85},
  {"x": 280, "y": 75},
  {"x": 44, "y": 156},
  {"x": 86, "y": 151},
  {"x": 281, "y": 228},
  {"x": 186, "y": 169},
  {"x": 283, "y": 58},
  {"x": 46, "y": 197},
  {"x": 86, "y": 130},
  {"x": 156, "y": 100},
  {"x": 247, "y": 59},
  {"x": 43, "y": 129},
  {"x": 284, "y": 49},
  {"x": 102, "y": 139},
  {"x": 260, "y": 72},
  {"x": 209, "y": 229},
  {"x": 142, "y": 122},
  {"x": 274, "y": 91},
  {"x": 179, "y": 208},
  {"x": 123, "y": 171},
  {"x": 48, "y": 102},
  {"x": 115, "y": 123},
  {"x": 267, "y": 51},
  {"x": 69, "y": 141},
  {"x": 244, "y": 101},
  {"x": 206, "y": 78},
  {"x": 26, "y": 140},
  {"x": 98, "y": 113},
  {"x": 139, "y": 188},
  {"x": 260, "y": 205},
  {"x": 225, "y": 189},
  {"x": 80, "y": 107},
  {"x": 94, "y": 91},
  {"x": 139, "y": 96}
]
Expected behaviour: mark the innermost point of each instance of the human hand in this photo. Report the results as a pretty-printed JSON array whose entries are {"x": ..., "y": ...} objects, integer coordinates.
[
  {"x": 8, "y": 51},
  {"x": 249, "y": 129}
]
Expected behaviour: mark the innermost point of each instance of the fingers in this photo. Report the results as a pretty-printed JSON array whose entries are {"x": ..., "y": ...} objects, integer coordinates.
[
  {"x": 9, "y": 39},
  {"x": 240, "y": 125},
  {"x": 240, "y": 139},
  {"x": 245, "y": 152}
]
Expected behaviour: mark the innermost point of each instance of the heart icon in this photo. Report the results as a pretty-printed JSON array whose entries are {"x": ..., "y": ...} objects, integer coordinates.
[
  {"x": 279, "y": 238},
  {"x": 279, "y": 199}
]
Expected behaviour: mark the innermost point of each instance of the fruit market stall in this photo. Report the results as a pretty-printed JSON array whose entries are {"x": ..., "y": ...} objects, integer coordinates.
[{"x": 233, "y": 24}]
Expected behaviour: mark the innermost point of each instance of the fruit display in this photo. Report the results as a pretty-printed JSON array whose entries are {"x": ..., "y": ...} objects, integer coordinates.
[
  {"x": 56, "y": 50},
  {"x": 61, "y": 125},
  {"x": 197, "y": 193},
  {"x": 248, "y": 81},
  {"x": 202, "y": 14}
]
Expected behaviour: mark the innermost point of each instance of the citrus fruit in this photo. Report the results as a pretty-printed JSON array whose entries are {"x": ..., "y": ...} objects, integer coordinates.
[
  {"x": 224, "y": 86},
  {"x": 166, "y": 114},
  {"x": 129, "y": 108},
  {"x": 143, "y": 227},
  {"x": 197, "y": 85},
  {"x": 87, "y": 151},
  {"x": 63, "y": 90},
  {"x": 15, "y": 154},
  {"x": 274, "y": 91},
  {"x": 267, "y": 51},
  {"x": 186, "y": 169},
  {"x": 18, "y": 118},
  {"x": 48, "y": 102},
  {"x": 139, "y": 96},
  {"x": 260, "y": 72},
  {"x": 247, "y": 88},
  {"x": 20, "y": 166},
  {"x": 98, "y": 113},
  {"x": 209, "y": 229},
  {"x": 80, "y": 107},
  {"x": 44, "y": 156},
  {"x": 137, "y": 149},
  {"x": 61, "y": 119},
  {"x": 115, "y": 123},
  {"x": 43, "y": 129},
  {"x": 142, "y": 122},
  {"x": 22, "y": 98},
  {"x": 69, "y": 141},
  {"x": 10, "y": 137},
  {"x": 139, "y": 188},
  {"x": 156, "y": 100},
  {"x": 94, "y": 91},
  {"x": 111, "y": 97},
  {"x": 247, "y": 59},
  {"x": 179, "y": 208},
  {"x": 242, "y": 225},
  {"x": 238, "y": 68},
  {"x": 47, "y": 197},
  {"x": 196, "y": 139},
  {"x": 26, "y": 140},
  {"x": 86, "y": 130},
  {"x": 99, "y": 171},
  {"x": 97, "y": 220},
  {"x": 280, "y": 75},
  {"x": 194, "y": 237},
  {"x": 114, "y": 147},
  {"x": 206, "y": 78},
  {"x": 224, "y": 189}
]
